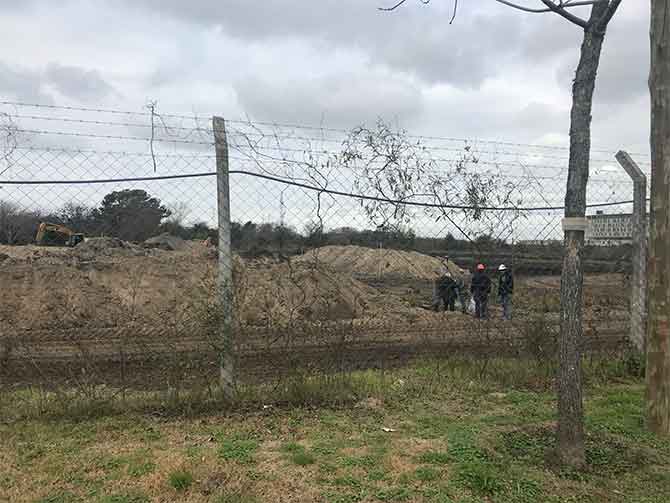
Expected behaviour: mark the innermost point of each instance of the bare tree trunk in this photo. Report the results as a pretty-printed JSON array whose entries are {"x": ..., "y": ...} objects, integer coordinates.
[
  {"x": 570, "y": 434},
  {"x": 658, "y": 335}
]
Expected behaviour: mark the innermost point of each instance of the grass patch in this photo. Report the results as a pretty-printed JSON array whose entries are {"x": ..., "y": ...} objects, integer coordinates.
[
  {"x": 426, "y": 474},
  {"x": 239, "y": 450},
  {"x": 435, "y": 458},
  {"x": 302, "y": 458},
  {"x": 465, "y": 445},
  {"x": 481, "y": 477},
  {"x": 60, "y": 497},
  {"x": 394, "y": 494},
  {"x": 298, "y": 455},
  {"x": 180, "y": 480}
]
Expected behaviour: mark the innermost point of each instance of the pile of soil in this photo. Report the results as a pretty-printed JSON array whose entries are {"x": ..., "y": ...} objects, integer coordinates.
[
  {"x": 106, "y": 283},
  {"x": 370, "y": 262},
  {"x": 166, "y": 242},
  {"x": 103, "y": 245},
  {"x": 270, "y": 292}
]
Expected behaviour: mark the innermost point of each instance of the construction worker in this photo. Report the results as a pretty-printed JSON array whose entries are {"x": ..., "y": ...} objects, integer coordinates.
[
  {"x": 505, "y": 290},
  {"x": 480, "y": 288},
  {"x": 463, "y": 285},
  {"x": 445, "y": 293}
]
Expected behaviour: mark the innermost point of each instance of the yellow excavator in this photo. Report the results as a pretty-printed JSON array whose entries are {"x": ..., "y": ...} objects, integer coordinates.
[{"x": 57, "y": 235}]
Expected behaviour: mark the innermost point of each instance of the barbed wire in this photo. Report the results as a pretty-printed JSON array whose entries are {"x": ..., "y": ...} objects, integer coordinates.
[{"x": 195, "y": 117}]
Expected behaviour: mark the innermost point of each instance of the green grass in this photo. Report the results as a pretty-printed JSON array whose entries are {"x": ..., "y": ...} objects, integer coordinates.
[
  {"x": 456, "y": 439},
  {"x": 426, "y": 474},
  {"x": 180, "y": 480},
  {"x": 298, "y": 454},
  {"x": 239, "y": 450}
]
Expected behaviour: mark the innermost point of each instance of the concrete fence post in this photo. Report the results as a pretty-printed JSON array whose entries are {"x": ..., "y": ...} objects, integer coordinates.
[
  {"x": 638, "y": 304},
  {"x": 225, "y": 265}
]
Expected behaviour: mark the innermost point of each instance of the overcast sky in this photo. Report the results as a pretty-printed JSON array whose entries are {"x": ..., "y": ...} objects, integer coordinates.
[{"x": 495, "y": 73}]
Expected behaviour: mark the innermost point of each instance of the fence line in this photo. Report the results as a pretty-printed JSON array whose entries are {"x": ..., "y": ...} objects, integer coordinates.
[{"x": 327, "y": 259}]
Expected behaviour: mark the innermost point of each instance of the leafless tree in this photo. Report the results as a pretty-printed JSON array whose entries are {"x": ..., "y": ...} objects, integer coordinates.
[
  {"x": 8, "y": 141},
  {"x": 658, "y": 336},
  {"x": 570, "y": 434},
  {"x": 405, "y": 178}
]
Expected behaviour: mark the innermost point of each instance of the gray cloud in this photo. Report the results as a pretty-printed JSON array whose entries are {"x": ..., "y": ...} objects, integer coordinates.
[
  {"x": 77, "y": 83},
  {"x": 536, "y": 117},
  {"x": 21, "y": 84},
  {"x": 494, "y": 72},
  {"x": 341, "y": 100},
  {"x": 415, "y": 40},
  {"x": 624, "y": 63}
]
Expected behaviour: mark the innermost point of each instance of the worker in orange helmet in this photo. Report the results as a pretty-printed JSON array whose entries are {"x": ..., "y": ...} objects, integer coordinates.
[{"x": 480, "y": 287}]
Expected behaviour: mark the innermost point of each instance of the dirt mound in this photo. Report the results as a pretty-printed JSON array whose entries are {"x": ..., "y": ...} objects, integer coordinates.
[
  {"x": 97, "y": 248},
  {"x": 269, "y": 292},
  {"x": 107, "y": 283},
  {"x": 166, "y": 242},
  {"x": 370, "y": 262}
]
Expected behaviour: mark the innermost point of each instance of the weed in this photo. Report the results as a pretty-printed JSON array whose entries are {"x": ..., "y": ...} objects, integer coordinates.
[
  {"x": 394, "y": 494},
  {"x": 367, "y": 461},
  {"x": 238, "y": 450},
  {"x": 481, "y": 477},
  {"x": 529, "y": 445},
  {"x": 292, "y": 447},
  {"x": 348, "y": 481},
  {"x": 302, "y": 458},
  {"x": 140, "y": 464},
  {"x": 180, "y": 480},
  {"x": 426, "y": 474},
  {"x": 140, "y": 468},
  {"x": 61, "y": 497},
  {"x": 435, "y": 458},
  {"x": 343, "y": 498},
  {"x": 524, "y": 491},
  {"x": 462, "y": 445},
  {"x": 298, "y": 455},
  {"x": 377, "y": 475}
]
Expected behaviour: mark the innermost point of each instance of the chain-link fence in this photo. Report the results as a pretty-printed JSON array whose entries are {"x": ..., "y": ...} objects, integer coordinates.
[{"x": 351, "y": 249}]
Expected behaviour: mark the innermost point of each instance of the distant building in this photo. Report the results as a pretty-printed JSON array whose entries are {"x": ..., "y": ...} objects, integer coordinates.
[{"x": 609, "y": 230}]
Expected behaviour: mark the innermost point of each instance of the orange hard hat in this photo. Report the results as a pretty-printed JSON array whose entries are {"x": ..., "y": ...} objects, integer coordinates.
[{"x": 480, "y": 267}]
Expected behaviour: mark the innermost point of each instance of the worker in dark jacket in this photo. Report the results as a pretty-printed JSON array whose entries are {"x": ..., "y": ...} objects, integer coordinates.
[
  {"x": 480, "y": 287},
  {"x": 447, "y": 292},
  {"x": 505, "y": 290}
]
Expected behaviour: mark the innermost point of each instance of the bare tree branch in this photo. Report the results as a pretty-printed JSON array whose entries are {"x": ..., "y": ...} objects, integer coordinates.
[
  {"x": 561, "y": 5},
  {"x": 8, "y": 138},
  {"x": 398, "y": 4},
  {"x": 453, "y": 16},
  {"x": 567, "y": 15}
]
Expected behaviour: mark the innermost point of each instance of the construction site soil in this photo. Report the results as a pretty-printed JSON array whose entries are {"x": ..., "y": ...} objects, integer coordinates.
[{"x": 106, "y": 298}]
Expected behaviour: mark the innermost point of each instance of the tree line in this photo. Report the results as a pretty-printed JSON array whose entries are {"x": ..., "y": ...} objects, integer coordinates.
[{"x": 132, "y": 215}]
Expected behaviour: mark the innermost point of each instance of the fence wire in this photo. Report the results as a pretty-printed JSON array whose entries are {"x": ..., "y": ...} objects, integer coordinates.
[{"x": 342, "y": 241}]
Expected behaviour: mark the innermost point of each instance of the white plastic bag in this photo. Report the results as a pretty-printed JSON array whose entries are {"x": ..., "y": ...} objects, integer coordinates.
[{"x": 472, "y": 307}]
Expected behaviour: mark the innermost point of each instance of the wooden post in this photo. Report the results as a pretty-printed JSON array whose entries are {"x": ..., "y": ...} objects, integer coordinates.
[
  {"x": 225, "y": 273},
  {"x": 658, "y": 332},
  {"x": 638, "y": 301}
]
